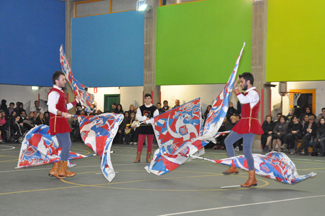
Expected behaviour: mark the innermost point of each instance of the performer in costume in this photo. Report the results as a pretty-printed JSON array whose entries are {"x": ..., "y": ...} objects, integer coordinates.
[
  {"x": 144, "y": 113},
  {"x": 59, "y": 126},
  {"x": 247, "y": 126}
]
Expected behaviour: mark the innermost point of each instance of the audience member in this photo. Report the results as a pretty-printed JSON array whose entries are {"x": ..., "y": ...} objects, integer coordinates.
[
  {"x": 3, "y": 105},
  {"x": 131, "y": 109},
  {"x": 160, "y": 110},
  {"x": 293, "y": 135},
  {"x": 114, "y": 108},
  {"x": 165, "y": 107},
  {"x": 2, "y": 127},
  {"x": 37, "y": 108},
  {"x": 10, "y": 109},
  {"x": 322, "y": 115},
  {"x": 206, "y": 113},
  {"x": 278, "y": 117},
  {"x": 17, "y": 128},
  {"x": 319, "y": 141},
  {"x": 119, "y": 109},
  {"x": 291, "y": 112},
  {"x": 279, "y": 131},
  {"x": 29, "y": 121},
  {"x": 127, "y": 133},
  {"x": 21, "y": 108},
  {"x": 92, "y": 110},
  {"x": 134, "y": 131},
  {"x": 309, "y": 133},
  {"x": 40, "y": 119},
  {"x": 47, "y": 118},
  {"x": 307, "y": 112},
  {"x": 305, "y": 119},
  {"x": 231, "y": 111},
  {"x": 267, "y": 126},
  {"x": 75, "y": 131},
  {"x": 23, "y": 115},
  {"x": 177, "y": 103}
]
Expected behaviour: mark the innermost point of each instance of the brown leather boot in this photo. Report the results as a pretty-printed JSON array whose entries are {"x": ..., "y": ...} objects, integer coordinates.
[
  {"x": 251, "y": 179},
  {"x": 231, "y": 170},
  {"x": 64, "y": 170},
  {"x": 55, "y": 170},
  {"x": 148, "y": 157},
  {"x": 137, "y": 160}
]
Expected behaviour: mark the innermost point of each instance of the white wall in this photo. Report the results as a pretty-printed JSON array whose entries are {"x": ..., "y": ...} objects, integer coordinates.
[
  {"x": 24, "y": 94},
  {"x": 186, "y": 93},
  {"x": 291, "y": 86}
]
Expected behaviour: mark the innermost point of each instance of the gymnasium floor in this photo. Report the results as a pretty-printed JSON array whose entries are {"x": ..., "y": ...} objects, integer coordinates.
[{"x": 192, "y": 189}]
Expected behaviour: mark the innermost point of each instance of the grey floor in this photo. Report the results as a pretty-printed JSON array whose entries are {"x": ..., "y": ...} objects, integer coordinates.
[{"x": 192, "y": 189}]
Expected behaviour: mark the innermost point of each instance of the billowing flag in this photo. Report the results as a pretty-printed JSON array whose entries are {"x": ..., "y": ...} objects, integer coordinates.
[
  {"x": 176, "y": 131},
  {"x": 98, "y": 133},
  {"x": 219, "y": 108},
  {"x": 274, "y": 165},
  {"x": 39, "y": 148},
  {"x": 79, "y": 89}
]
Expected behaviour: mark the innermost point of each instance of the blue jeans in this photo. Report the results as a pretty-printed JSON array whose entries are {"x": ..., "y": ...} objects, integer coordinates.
[
  {"x": 65, "y": 143},
  {"x": 247, "y": 146}
]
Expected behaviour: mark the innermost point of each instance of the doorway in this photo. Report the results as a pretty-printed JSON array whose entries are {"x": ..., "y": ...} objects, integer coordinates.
[
  {"x": 307, "y": 98},
  {"x": 109, "y": 99}
]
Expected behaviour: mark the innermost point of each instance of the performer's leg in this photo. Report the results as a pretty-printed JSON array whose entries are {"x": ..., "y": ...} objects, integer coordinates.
[
  {"x": 149, "y": 148},
  {"x": 64, "y": 138},
  {"x": 231, "y": 138},
  {"x": 248, "y": 144},
  {"x": 140, "y": 145}
]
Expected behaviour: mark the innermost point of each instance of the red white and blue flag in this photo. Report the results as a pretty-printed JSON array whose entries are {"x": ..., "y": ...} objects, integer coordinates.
[
  {"x": 79, "y": 89},
  {"x": 176, "y": 131},
  {"x": 98, "y": 133},
  {"x": 220, "y": 106},
  {"x": 274, "y": 165},
  {"x": 39, "y": 148}
]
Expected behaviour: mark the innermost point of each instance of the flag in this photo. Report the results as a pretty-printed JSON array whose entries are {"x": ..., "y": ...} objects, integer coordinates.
[
  {"x": 176, "y": 132},
  {"x": 39, "y": 147},
  {"x": 274, "y": 165},
  {"x": 98, "y": 133},
  {"x": 219, "y": 108},
  {"x": 79, "y": 89}
]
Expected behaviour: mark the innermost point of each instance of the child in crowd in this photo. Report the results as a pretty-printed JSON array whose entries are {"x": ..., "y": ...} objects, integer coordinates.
[{"x": 127, "y": 133}]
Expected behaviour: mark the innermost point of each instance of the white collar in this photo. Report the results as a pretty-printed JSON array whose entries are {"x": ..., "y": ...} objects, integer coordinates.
[
  {"x": 250, "y": 89},
  {"x": 148, "y": 105},
  {"x": 57, "y": 87}
]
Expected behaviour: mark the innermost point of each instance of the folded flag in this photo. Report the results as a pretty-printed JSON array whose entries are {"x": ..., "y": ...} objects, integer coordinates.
[
  {"x": 39, "y": 147},
  {"x": 98, "y": 133},
  {"x": 79, "y": 89}
]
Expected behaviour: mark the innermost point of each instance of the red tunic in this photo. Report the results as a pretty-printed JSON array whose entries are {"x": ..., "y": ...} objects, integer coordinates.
[
  {"x": 59, "y": 124},
  {"x": 248, "y": 122}
]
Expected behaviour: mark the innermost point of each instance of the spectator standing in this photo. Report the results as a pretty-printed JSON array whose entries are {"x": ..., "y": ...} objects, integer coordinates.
[
  {"x": 37, "y": 108},
  {"x": 2, "y": 127},
  {"x": 114, "y": 108},
  {"x": 165, "y": 107},
  {"x": 206, "y": 113},
  {"x": 47, "y": 118},
  {"x": 131, "y": 109},
  {"x": 177, "y": 103},
  {"x": 119, "y": 109},
  {"x": 160, "y": 110},
  {"x": 127, "y": 133},
  {"x": 231, "y": 111},
  {"x": 134, "y": 131},
  {"x": 10, "y": 109},
  {"x": 3, "y": 105}
]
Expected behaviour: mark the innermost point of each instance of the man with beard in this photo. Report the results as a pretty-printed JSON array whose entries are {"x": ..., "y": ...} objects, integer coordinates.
[
  {"x": 247, "y": 126},
  {"x": 59, "y": 125}
]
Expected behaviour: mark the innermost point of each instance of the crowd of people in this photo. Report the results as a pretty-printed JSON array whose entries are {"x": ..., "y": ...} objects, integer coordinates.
[
  {"x": 15, "y": 122},
  {"x": 293, "y": 133}
]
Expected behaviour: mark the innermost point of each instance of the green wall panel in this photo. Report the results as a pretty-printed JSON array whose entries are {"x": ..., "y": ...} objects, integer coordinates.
[
  {"x": 295, "y": 40},
  {"x": 199, "y": 42}
]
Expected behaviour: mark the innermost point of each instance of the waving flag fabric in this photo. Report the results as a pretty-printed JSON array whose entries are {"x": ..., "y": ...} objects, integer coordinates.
[
  {"x": 98, "y": 133},
  {"x": 79, "y": 89},
  {"x": 39, "y": 148},
  {"x": 275, "y": 165},
  {"x": 219, "y": 108},
  {"x": 176, "y": 131}
]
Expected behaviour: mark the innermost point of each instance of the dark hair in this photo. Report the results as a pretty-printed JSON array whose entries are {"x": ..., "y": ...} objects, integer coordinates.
[
  {"x": 282, "y": 116},
  {"x": 35, "y": 101},
  {"x": 147, "y": 95},
  {"x": 165, "y": 101},
  {"x": 319, "y": 124},
  {"x": 279, "y": 114},
  {"x": 247, "y": 76},
  {"x": 56, "y": 76},
  {"x": 268, "y": 116},
  {"x": 159, "y": 103},
  {"x": 114, "y": 104},
  {"x": 12, "y": 103}
]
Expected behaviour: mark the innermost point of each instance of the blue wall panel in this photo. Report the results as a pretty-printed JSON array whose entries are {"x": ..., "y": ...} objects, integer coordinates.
[
  {"x": 31, "y": 33},
  {"x": 108, "y": 50}
]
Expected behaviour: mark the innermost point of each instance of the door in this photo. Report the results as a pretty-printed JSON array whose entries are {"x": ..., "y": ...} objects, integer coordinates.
[{"x": 109, "y": 99}]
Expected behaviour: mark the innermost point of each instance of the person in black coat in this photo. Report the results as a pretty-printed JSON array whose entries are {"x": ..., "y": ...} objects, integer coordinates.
[
  {"x": 231, "y": 111},
  {"x": 309, "y": 133},
  {"x": 267, "y": 126},
  {"x": 279, "y": 131},
  {"x": 307, "y": 112},
  {"x": 294, "y": 133},
  {"x": 320, "y": 138}
]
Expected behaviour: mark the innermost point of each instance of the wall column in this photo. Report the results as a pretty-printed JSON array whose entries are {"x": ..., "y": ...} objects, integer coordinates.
[
  {"x": 149, "y": 76},
  {"x": 258, "y": 66}
]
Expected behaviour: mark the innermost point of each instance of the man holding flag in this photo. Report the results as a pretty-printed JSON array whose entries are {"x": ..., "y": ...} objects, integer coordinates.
[
  {"x": 247, "y": 126},
  {"x": 59, "y": 125}
]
